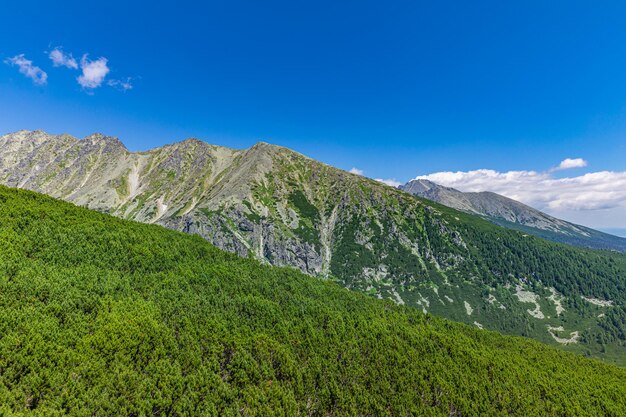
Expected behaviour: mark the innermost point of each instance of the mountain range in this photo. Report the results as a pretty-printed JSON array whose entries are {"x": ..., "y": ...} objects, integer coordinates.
[
  {"x": 284, "y": 209},
  {"x": 513, "y": 214}
]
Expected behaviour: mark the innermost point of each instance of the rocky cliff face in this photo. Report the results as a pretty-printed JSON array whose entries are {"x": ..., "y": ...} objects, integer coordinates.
[
  {"x": 510, "y": 213},
  {"x": 285, "y": 209}
]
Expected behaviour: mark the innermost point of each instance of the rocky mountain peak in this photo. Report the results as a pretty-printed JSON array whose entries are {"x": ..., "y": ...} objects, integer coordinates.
[
  {"x": 418, "y": 186},
  {"x": 190, "y": 142},
  {"x": 110, "y": 143},
  {"x": 193, "y": 141},
  {"x": 30, "y": 136},
  {"x": 265, "y": 147}
]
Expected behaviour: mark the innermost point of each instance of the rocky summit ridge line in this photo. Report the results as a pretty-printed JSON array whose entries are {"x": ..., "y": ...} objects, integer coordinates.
[
  {"x": 507, "y": 212},
  {"x": 285, "y": 209}
]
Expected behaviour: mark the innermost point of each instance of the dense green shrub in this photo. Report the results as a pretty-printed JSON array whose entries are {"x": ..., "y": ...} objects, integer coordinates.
[{"x": 101, "y": 316}]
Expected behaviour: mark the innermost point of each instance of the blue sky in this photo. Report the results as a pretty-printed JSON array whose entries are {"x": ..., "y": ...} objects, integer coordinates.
[{"x": 396, "y": 89}]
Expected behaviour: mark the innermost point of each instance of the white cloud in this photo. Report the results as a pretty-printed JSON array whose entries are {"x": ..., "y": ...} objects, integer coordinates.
[
  {"x": 94, "y": 72},
  {"x": 392, "y": 182},
  {"x": 122, "y": 85},
  {"x": 61, "y": 59},
  {"x": 569, "y": 163},
  {"x": 26, "y": 67},
  {"x": 603, "y": 190}
]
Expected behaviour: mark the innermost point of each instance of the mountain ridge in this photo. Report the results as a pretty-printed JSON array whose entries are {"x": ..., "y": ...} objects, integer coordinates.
[
  {"x": 286, "y": 209},
  {"x": 510, "y": 213}
]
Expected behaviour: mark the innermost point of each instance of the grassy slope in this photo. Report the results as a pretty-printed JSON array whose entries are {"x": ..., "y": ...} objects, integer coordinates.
[{"x": 101, "y": 316}]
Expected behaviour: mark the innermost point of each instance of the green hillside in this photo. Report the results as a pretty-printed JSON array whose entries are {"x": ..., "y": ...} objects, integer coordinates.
[
  {"x": 101, "y": 316},
  {"x": 282, "y": 208}
]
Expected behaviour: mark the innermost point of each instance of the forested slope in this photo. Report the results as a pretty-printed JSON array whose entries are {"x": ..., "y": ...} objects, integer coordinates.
[{"x": 102, "y": 316}]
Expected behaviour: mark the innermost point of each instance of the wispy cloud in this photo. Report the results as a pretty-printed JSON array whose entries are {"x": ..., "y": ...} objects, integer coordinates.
[
  {"x": 94, "y": 72},
  {"x": 569, "y": 163},
  {"x": 122, "y": 85},
  {"x": 61, "y": 59},
  {"x": 392, "y": 182},
  {"x": 26, "y": 67}
]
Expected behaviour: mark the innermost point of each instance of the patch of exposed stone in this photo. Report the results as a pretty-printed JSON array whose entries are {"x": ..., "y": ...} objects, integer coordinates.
[
  {"x": 556, "y": 299},
  {"x": 468, "y": 308},
  {"x": 598, "y": 302},
  {"x": 554, "y": 331},
  {"x": 525, "y": 296}
]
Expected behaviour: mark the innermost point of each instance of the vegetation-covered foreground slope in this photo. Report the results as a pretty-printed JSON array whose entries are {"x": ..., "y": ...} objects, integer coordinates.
[
  {"x": 101, "y": 316},
  {"x": 283, "y": 208}
]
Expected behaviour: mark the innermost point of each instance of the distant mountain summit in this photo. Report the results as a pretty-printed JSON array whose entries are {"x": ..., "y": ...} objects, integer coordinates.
[{"x": 510, "y": 213}]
